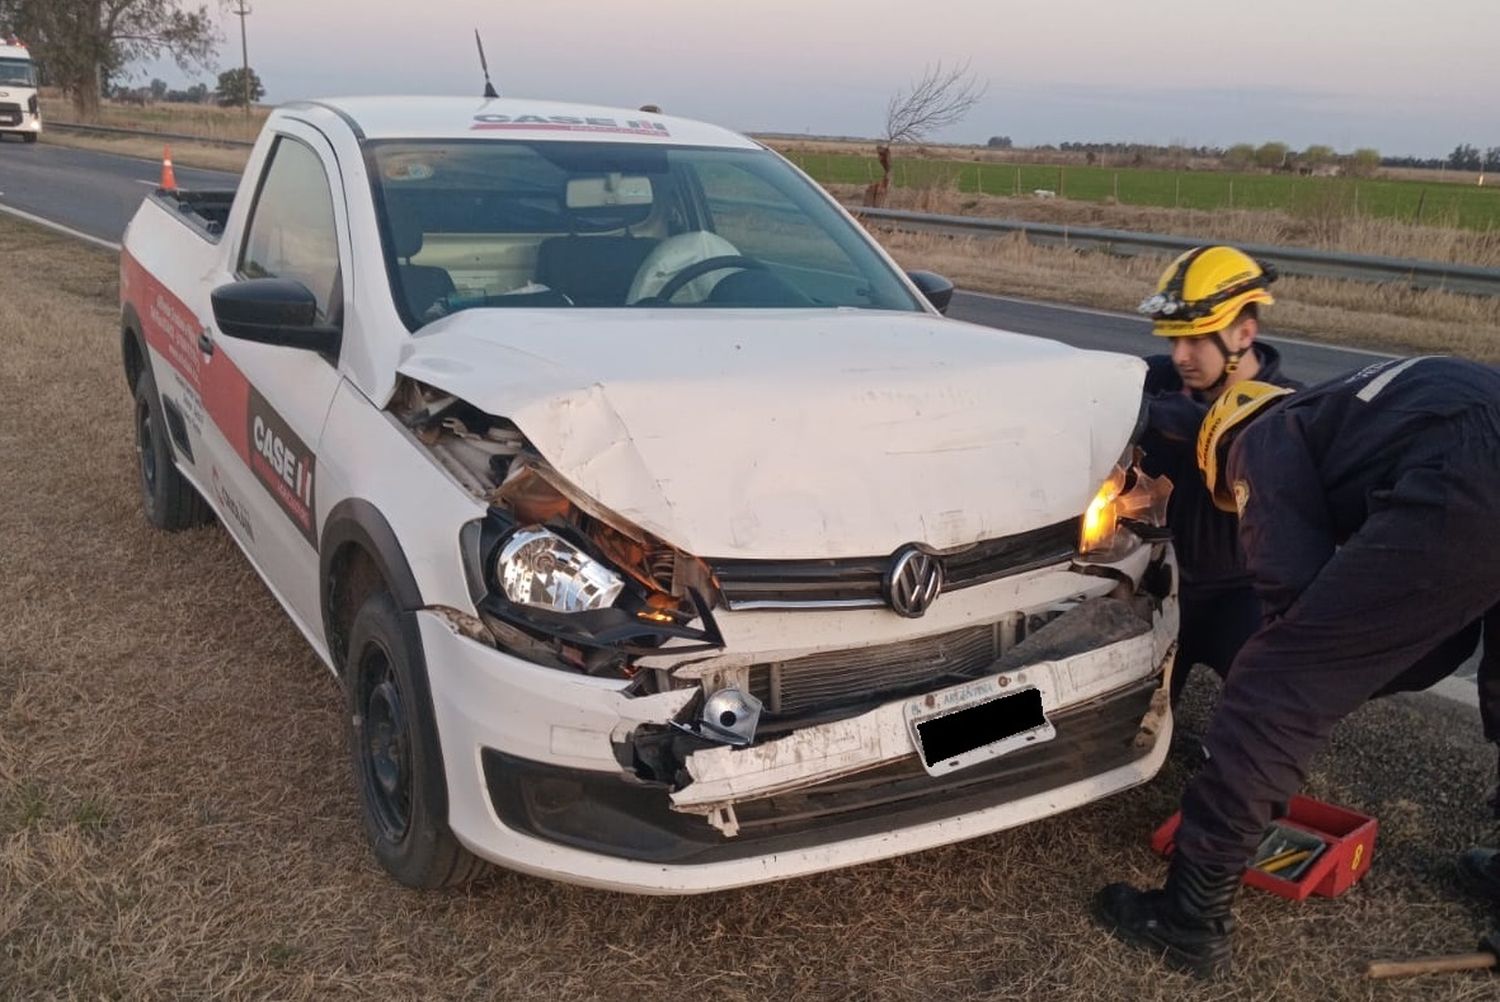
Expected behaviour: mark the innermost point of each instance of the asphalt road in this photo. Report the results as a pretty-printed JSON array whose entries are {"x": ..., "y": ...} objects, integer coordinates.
[
  {"x": 94, "y": 193},
  {"x": 97, "y": 193}
]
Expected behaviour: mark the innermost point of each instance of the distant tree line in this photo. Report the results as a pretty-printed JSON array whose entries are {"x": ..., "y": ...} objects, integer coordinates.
[
  {"x": 1269, "y": 156},
  {"x": 1466, "y": 157},
  {"x": 1463, "y": 157},
  {"x": 229, "y": 92}
]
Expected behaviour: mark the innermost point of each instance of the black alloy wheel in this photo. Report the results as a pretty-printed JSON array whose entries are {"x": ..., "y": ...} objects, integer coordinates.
[{"x": 386, "y": 768}]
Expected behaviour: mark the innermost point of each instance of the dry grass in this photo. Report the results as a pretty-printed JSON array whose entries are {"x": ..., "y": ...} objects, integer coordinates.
[
  {"x": 1369, "y": 316},
  {"x": 177, "y": 818},
  {"x": 183, "y": 154},
  {"x": 1328, "y": 224},
  {"x": 206, "y": 120}
]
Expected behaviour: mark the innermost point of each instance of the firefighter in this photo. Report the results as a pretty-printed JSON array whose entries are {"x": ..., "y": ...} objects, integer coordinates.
[
  {"x": 1368, "y": 508},
  {"x": 1208, "y": 303}
]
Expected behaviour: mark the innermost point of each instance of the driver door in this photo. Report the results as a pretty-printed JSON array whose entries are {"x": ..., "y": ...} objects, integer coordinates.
[{"x": 274, "y": 399}]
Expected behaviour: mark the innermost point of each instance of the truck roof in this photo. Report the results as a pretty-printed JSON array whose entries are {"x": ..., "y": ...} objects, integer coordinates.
[
  {"x": 521, "y": 118},
  {"x": 14, "y": 50}
]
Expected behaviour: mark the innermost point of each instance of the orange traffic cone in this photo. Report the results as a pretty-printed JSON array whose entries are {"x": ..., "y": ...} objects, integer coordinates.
[{"x": 168, "y": 179}]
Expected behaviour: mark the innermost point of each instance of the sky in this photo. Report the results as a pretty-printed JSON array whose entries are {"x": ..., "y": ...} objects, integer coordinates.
[{"x": 1402, "y": 77}]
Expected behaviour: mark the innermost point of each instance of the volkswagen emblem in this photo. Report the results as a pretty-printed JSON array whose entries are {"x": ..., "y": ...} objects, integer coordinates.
[{"x": 913, "y": 582}]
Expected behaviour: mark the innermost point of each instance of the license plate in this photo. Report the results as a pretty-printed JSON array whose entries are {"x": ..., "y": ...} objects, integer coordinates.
[
  {"x": 974, "y": 723},
  {"x": 10, "y": 119}
]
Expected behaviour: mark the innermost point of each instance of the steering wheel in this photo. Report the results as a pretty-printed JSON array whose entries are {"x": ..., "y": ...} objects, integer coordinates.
[
  {"x": 676, "y": 282},
  {"x": 671, "y": 256}
]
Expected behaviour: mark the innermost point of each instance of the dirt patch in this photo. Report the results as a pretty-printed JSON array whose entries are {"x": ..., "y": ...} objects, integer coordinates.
[{"x": 177, "y": 817}]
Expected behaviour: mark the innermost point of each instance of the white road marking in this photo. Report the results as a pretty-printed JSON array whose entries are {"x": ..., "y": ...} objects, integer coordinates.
[{"x": 60, "y": 228}]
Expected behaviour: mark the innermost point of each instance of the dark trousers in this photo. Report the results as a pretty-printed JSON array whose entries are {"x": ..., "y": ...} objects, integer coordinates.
[
  {"x": 1213, "y": 627},
  {"x": 1422, "y": 570}
]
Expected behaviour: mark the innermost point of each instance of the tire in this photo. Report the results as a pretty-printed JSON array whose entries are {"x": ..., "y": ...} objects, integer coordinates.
[
  {"x": 169, "y": 501},
  {"x": 398, "y": 763},
  {"x": 29, "y": 137}
]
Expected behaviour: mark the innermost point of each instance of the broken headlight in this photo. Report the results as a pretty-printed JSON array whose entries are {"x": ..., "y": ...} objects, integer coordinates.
[
  {"x": 1129, "y": 509},
  {"x": 538, "y": 568}
]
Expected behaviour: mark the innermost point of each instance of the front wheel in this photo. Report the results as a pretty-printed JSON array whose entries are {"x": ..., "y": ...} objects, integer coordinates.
[
  {"x": 398, "y": 763},
  {"x": 29, "y": 137}
]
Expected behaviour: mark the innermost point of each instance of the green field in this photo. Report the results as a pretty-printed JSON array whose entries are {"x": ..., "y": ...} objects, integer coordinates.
[{"x": 1436, "y": 203}]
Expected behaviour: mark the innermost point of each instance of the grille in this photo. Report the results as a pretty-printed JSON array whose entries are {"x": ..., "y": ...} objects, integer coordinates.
[
  {"x": 6, "y": 106},
  {"x": 859, "y": 582},
  {"x": 839, "y": 678}
]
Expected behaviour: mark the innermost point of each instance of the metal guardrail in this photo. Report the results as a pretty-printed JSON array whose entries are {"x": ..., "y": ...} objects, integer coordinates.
[
  {"x": 1306, "y": 262},
  {"x": 179, "y": 137}
]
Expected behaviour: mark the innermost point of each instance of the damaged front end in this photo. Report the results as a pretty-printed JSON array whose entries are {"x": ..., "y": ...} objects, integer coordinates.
[
  {"x": 556, "y": 578},
  {"x": 763, "y": 706}
]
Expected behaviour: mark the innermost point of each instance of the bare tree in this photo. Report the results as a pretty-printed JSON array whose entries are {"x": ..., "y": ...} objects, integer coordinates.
[{"x": 941, "y": 97}]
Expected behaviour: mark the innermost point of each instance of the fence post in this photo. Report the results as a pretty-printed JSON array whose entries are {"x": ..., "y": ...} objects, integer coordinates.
[
  {"x": 1421, "y": 201},
  {"x": 1231, "y": 193},
  {"x": 1177, "y": 196},
  {"x": 1117, "y": 187}
]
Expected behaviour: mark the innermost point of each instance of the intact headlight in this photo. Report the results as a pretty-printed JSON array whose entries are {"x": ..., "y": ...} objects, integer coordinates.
[
  {"x": 1129, "y": 507},
  {"x": 540, "y": 569}
]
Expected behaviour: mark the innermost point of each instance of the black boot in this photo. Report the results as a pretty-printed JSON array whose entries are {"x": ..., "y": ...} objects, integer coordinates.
[
  {"x": 1480, "y": 870},
  {"x": 1187, "y": 922}
]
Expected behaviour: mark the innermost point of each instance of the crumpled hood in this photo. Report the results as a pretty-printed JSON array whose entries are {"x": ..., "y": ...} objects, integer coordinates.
[{"x": 797, "y": 434}]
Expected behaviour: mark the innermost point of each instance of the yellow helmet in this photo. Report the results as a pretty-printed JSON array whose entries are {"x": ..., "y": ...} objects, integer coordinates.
[
  {"x": 1204, "y": 290},
  {"x": 1235, "y": 406}
]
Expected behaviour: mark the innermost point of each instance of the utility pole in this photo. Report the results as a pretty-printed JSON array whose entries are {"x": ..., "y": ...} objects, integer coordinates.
[{"x": 241, "y": 10}]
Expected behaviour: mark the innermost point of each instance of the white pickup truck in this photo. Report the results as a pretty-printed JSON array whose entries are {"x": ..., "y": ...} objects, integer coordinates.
[
  {"x": 20, "y": 108},
  {"x": 663, "y": 535}
]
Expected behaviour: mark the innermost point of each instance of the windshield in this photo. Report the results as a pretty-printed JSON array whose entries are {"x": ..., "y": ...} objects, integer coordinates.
[
  {"x": 17, "y": 73},
  {"x": 570, "y": 225}
]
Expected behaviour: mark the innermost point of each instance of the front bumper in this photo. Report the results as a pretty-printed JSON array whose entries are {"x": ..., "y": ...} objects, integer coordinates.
[
  {"x": 535, "y": 780},
  {"x": 28, "y": 123}
]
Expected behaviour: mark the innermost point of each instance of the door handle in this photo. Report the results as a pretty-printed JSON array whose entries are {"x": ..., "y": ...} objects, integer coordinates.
[{"x": 205, "y": 343}]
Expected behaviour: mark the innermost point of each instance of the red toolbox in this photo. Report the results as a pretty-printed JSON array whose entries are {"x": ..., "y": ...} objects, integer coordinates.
[{"x": 1347, "y": 839}]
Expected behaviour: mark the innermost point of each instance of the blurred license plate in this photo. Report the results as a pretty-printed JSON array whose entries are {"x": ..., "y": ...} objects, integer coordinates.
[{"x": 974, "y": 723}]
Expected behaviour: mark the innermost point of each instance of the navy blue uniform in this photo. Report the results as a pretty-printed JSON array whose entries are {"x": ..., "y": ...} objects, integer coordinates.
[
  {"x": 1370, "y": 507},
  {"x": 1218, "y": 607}
]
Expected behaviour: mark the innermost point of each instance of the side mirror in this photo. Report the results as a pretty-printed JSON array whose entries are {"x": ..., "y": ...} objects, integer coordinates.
[
  {"x": 276, "y": 311},
  {"x": 937, "y": 289}
]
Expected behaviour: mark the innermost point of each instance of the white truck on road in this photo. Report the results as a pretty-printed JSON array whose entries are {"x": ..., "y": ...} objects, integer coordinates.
[
  {"x": 20, "y": 108},
  {"x": 662, "y": 533}
]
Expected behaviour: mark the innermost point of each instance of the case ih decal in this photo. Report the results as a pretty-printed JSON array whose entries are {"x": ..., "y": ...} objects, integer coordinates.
[
  {"x": 283, "y": 464},
  {"x": 567, "y": 123}
]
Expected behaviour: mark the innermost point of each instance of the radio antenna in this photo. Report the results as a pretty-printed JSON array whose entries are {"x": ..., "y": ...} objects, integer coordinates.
[{"x": 489, "y": 88}]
